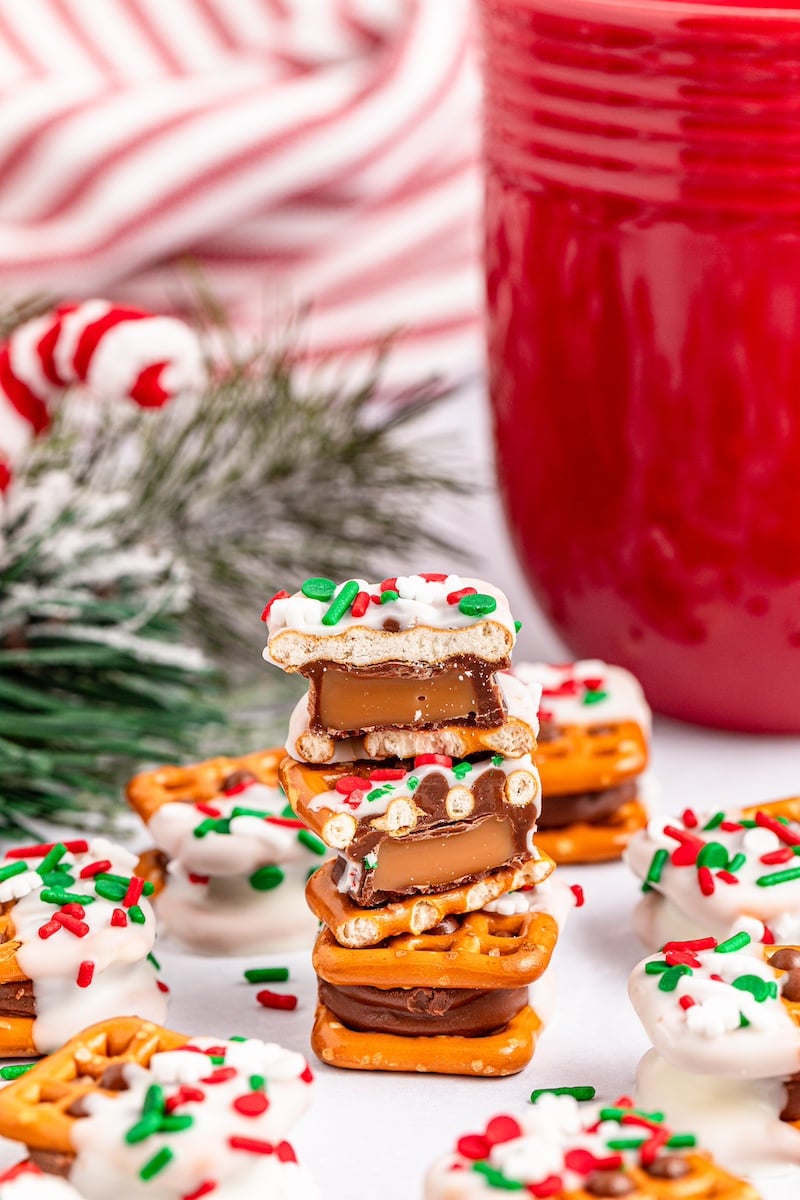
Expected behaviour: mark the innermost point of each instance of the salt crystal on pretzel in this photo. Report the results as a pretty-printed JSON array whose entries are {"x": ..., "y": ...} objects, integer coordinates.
[
  {"x": 413, "y": 652},
  {"x": 112, "y": 1110},
  {"x": 77, "y": 938},
  {"x": 564, "y": 1151}
]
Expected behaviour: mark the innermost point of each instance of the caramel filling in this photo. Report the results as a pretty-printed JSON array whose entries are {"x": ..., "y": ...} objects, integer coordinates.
[
  {"x": 349, "y": 701},
  {"x": 421, "y": 862}
]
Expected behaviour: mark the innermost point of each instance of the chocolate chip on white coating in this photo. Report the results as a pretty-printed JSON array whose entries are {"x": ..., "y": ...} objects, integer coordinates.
[
  {"x": 609, "y": 1183},
  {"x": 669, "y": 1166}
]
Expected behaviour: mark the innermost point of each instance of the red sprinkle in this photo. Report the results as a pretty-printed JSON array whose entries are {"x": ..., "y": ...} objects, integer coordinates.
[
  {"x": 689, "y": 818},
  {"x": 687, "y": 1002},
  {"x": 215, "y": 1051},
  {"x": 649, "y": 1151},
  {"x": 95, "y": 868},
  {"x": 220, "y": 1075},
  {"x": 433, "y": 760},
  {"x": 119, "y": 917},
  {"x": 351, "y": 783},
  {"x": 74, "y": 926},
  {"x": 593, "y": 684},
  {"x": 705, "y": 881},
  {"x": 134, "y": 892},
  {"x": 24, "y": 1168},
  {"x": 389, "y": 585},
  {"x": 162, "y": 987},
  {"x": 768, "y": 937},
  {"x": 577, "y": 892},
  {"x": 203, "y": 1190},
  {"x": 236, "y": 789},
  {"x": 252, "y": 1104},
  {"x": 278, "y": 596},
  {"x": 80, "y": 846},
  {"x": 685, "y": 958},
  {"x": 777, "y": 856},
  {"x": 704, "y": 943},
  {"x": 375, "y": 599},
  {"x": 287, "y": 822},
  {"x": 307, "y": 1075},
  {"x": 384, "y": 773},
  {"x": 73, "y": 910},
  {"x": 727, "y": 877},
  {"x": 208, "y": 810},
  {"x": 48, "y": 929},
  {"x": 200, "y": 880},
  {"x": 473, "y": 1146},
  {"x": 285, "y": 1153},
  {"x": 360, "y": 604},
  {"x": 184, "y": 1095},
  {"x": 85, "y": 974},
  {"x": 276, "y": 1000},
  {"x": 731, "y": 826},
  {"x": 502, "y": 1129},
  {"x": 252, "y": 1145},
  {"x": 432, "y": 577},
  {"x": 454, "y": 597},
  {"x": 546, "y": 714},
  {"x": 767, "y": 822},
  {"x": 583, "y": 1161},
  {"x": 551, "y": 1186},
  {"x": 717, "y": 978}
]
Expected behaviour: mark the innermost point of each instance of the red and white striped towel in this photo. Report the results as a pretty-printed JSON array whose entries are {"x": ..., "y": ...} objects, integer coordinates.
[{"x": 316, "y": 153}]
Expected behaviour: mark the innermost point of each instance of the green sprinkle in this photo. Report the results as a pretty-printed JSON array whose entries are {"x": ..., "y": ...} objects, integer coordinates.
[
  {"x": 517, "y": 626},
  {"x": 248, "y": 812},
  {"x": 156, "y": 1164},
  {"x": 497, "y": 760},
  {"x": 737, "y": 942},
  {"x": 58, "y": 879},
  {"x": 613, "y": 1113},
  {"x": 319, "y": 588},
  {"x": 737, "y": 862},
  {"x": 773, "y": 990},
  {"x": 237, "y": 1037},
  {"x": 370, "y": 861},
  {"x": 670, "y": 979},
  {"x": 461, "y": 770},
  {"x": 713, "y": 855},
  {"x": 477, "y": 604},
  {"x": 176, "y": 1122},
  {"x": 656, "y": 968},
  {"x": 378, "y": 793},
  {"x": 412, "y": 782},
  {"x": 311, "y": 842},
  {"x": 682, "y": 1141},
  {"x": 311, "y": 871},
  {"x": 151, "y": 958},
  {"x": 266, "y": 878},
  {"x": 266, "y": 974},
  {"x": 257, "y": 1083},
  {"x": 389, "y": 595},
  {"x": 779, "y": 877},
  {"x": 594, "y": 697},
  {"x": 715, "y": 821},
  {"x": 747, "y": 822},
  {"x": 496, "y": 1179},
  {"x": 110, "y": 891},
  {"x": 121, "y": 881},
  {"x": 216, "y": 1060},
  {"x": 136, "y": 915},
  {"x": 14, "y": 1072},
  {"x": 626, "y": 1143},
  {"x": 646, "y": 887},
  {"x": 154, "y": 1099},
  {"x": 578, "y": 1093},
  {"x": 340, "y": 603},
  {"x": 212, "y": 825},
  {"x": 59, "y": 896},
  {"x": 758, "y": 988},
  {"x": 15, "y": 868},
  {"x": 52, "y": 858},
  {"x": 743, "y": 1021},
  {"x": 287, "y": 811},
  {"x": 143, "y": 1129},
  {"x": 657, "y": 864}
]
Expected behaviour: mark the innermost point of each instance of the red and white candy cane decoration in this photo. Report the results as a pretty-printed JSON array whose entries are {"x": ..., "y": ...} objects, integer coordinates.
[{"x": 113, "y": 352}]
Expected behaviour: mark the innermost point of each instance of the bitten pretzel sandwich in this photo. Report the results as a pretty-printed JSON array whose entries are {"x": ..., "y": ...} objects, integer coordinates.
[
  {"x": 724, "y": 1019},
  {"x": 415, "y": 652},
  {"x": 131, "y": 1109},
  {"x": 402, "y": 829},
  {"x": 77, "y": 934},
  {"x": 594, "y": 728},
  {"x": 556, "y": 1149},
  {"x": 718, "y": 873},
  {"x": 231, "y": 861}
]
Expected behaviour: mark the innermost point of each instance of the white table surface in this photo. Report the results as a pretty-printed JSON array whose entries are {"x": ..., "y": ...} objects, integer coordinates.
[{"x": 371, "y": 1136}]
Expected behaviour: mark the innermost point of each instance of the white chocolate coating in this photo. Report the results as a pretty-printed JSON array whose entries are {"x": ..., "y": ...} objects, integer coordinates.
[
  {"x": 747, "y": 905},
  {"x": 208, "y": 902},
  {"x": 107, "y": 1165},
  {"x": 737, "y": 1120},
  {"x": 726, "y": 1031},
  {"x": 32, "y": 1184},
  {"x": 124, "y": 982},
  {"x": 564, "y": 692}
]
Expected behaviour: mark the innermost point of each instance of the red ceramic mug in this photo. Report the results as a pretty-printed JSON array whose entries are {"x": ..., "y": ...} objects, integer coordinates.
[{"x": 643, "y": 273}]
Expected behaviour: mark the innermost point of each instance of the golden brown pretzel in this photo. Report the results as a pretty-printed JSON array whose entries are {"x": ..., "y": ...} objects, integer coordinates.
[
  {"x": 484, "y": 950},
  {"x": 788, "y": 807},
  {"x": 587, "y": 759},
  {"x": 601, "y": 841},
  {"x": 704, "y": 1181},
  {"x": 354, "y": 926},
  {"x": 33, "y": 1109},
  {"x": 198, "y": 782},
  {"x": 501, "y": 1053}
]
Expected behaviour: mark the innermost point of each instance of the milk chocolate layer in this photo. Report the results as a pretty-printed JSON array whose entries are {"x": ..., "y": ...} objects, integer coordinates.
[
  {"x": 423, "y": 1012},
  {"x": 17, "y": 1000},
  {"x": 52, "y": 1162},
  {"x": 592, "y": 807},
  {"x": 440, "y": 853},
  {"x": 348, "y": 701}
]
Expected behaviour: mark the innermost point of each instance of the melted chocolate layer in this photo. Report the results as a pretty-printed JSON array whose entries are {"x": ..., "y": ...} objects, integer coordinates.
[
  {"x": 591, "y": 807},
  {"x": 423, "y": 1012},
  {"x": 17, "y": 999}
]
